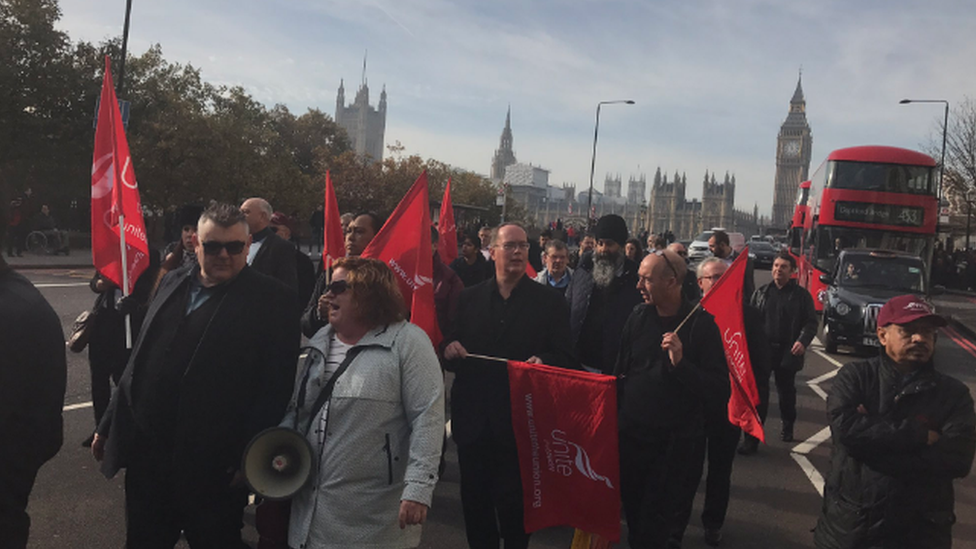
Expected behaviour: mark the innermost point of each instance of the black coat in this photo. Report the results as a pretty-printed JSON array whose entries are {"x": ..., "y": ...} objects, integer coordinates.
[
  {"x": 624, "y": 296},
  {"x": 539, "y": 327},
  {"x": 33, "y": 373},
  {"x": 276, "y": 258},
  {"x": 802, "y": 318},
  {"x": 238, "y": 381},
  {"x": 655, "y": 397},
  {"x": 888, "y": 487},
  {"x": 473, "y": 274}
]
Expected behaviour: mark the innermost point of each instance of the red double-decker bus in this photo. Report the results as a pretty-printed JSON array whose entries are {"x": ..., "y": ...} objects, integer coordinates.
[{"x": 875, "y": 197}]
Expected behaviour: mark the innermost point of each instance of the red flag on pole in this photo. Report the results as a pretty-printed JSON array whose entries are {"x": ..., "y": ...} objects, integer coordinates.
[
  {"x": 448, "y": 248},
  {"x": 565, "y": 424},
  {"x": 335, "y": 246},
  {"x": 724, "y": 302},
  {"x": 120, "y": 250},
  {"x": 530, "y": 270},
  {"x": 404, "y": 244}
]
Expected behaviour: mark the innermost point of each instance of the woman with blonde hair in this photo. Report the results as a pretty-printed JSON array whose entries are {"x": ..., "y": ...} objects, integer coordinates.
[{"x": 372, "y": 407}]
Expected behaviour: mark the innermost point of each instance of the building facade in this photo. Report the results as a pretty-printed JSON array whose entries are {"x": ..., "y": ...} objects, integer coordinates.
[
  {"x": 670, "y": 210},
  {"x": 793, "y": 150},
  {"x": 364, "y": 124}
]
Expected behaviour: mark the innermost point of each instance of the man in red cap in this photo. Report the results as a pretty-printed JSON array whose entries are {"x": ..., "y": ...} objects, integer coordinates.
[{"x": 901, "y": 433}]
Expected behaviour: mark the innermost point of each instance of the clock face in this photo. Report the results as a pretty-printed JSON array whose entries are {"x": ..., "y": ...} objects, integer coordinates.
[{"x": 791, "y": 149}]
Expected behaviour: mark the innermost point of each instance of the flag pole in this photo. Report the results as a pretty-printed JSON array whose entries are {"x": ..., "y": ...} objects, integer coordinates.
[
  {"x": 485, "y": 357},
  {"x": 125, "y": 281}
]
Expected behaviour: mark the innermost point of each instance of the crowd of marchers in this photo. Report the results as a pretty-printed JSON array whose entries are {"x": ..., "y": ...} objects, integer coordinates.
[{"x": 217, "y": 328}]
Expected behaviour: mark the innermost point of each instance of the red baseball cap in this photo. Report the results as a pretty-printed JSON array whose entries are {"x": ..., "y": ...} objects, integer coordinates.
[{"x": 907, "y": 308}]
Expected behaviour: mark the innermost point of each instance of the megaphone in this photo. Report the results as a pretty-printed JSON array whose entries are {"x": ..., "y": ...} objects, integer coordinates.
[{"x": 277, "y": 463}]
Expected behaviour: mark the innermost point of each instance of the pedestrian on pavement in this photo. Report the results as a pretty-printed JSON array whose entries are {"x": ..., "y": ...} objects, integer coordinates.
[
  {"x": 667, "y": 377},
  {"x": 510, "y": 317},
  {"x": 557, "y": 273},
  {"x": 601, "y": 296},
  {"x": 790, "y": 323},
  {"x": 269, "y": 253},
  {"x": 33, "y": 376},
  {"x": 360, "y": 231},
  {"x": 15, "y": 225},
  {"x": 377, "y": 437},
  {"x": 721, "y": 437},
  {"x": 213, "y": 365},
  {"x": 901, "y": 432}
]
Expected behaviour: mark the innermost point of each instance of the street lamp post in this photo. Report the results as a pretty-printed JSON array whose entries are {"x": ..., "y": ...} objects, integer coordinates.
[
  {"x": 945, "y": 128},
  {"x": 596, "y": 133}
]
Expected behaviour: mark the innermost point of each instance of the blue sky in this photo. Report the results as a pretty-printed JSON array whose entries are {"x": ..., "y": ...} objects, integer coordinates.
[{"x": 712, "y": 79}]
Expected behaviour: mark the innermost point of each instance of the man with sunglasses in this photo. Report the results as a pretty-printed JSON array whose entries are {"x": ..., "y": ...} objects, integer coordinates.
[
  {"x": 902, "y": 432},
  {"x": 671, "y": 366},
  {"x": 213, "y": 365},
  {"x": 512, "y": 317}
]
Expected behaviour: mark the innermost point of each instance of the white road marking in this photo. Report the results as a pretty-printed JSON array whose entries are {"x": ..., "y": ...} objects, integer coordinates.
[
  {"x": 800, "y": 451},
  {"x": 815, "y": 477},
  {"x": 78, "y": 406},
  {"x": 62, "y": 285}
]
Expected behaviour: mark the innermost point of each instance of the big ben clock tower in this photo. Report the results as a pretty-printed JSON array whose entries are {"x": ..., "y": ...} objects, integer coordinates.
[{"x": 793, "y": 146}]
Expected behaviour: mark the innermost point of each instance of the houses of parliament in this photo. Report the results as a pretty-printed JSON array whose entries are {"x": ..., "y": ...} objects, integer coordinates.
[{"x": 668, "y": 207}]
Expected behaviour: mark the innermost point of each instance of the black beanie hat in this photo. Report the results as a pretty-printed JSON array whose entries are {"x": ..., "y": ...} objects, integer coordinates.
[{"x": 612, "y": 227}]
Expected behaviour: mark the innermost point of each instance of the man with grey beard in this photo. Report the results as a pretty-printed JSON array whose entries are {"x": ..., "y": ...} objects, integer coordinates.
[{"x": 601, "y": 295}]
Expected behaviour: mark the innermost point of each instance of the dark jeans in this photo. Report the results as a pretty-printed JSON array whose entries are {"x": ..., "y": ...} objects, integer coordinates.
[
  {"x": 157, "y": 509},
  {"x": 16, "y": 481},
  {"x": 785, "y": 387},
  {"x": 722, "y": 438},
  {"x": 491, "y": 492},
  {"x": 655, "y": 487}
]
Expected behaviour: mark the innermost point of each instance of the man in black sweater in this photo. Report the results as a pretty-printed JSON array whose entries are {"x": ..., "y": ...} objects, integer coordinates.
[
  {"x": 33, "y": 374},
  {"x": 790, "y": 323},
  {"x": 669, "y": 371},
  {"x": 512, "y": 317}
]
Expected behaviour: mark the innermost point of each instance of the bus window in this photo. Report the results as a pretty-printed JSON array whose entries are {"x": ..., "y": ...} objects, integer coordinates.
[{"x": 892, "y": 178}]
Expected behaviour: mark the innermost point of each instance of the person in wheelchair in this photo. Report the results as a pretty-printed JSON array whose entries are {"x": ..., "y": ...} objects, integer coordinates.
[{"x": 57, "y": 240}]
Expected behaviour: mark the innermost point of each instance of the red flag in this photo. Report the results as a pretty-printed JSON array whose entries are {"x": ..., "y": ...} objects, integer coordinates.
[
  {"x": 448, "y": 248},
  {"x": 335, "y": 246},
  {"x": 404, "y": 244},
  {"x": 724, "y": 302},
  {"x": 115, "y": 192},
  {"x": 565, "y": 424},
  {"x": 530, "y": 270}
]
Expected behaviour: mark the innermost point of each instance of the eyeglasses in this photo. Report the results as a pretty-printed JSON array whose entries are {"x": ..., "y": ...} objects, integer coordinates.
[
  {"x": 336, "y": 287},
  {"x": 713, "y": 278},
  {"x": 233, "y": 247},
  {"x": 660, "y": 253},
  {"x": 512, "y": 246}
]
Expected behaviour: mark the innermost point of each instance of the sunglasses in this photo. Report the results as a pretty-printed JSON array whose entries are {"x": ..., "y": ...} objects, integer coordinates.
[
  {"x": 336, "y": 287},
  {"x": 660, "y": 253},
  {"x": 233, "y": 248}
]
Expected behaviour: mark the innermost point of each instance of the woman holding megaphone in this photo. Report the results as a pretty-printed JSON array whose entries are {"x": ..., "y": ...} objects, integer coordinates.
[{"x": 370, "y": 403}]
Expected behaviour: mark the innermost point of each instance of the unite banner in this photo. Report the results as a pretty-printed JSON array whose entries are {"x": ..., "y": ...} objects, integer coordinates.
[{"x": 565, "y": 424}]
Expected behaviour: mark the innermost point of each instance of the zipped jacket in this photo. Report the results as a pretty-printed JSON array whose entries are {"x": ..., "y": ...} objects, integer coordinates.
[{"x": 887, "y": 487}]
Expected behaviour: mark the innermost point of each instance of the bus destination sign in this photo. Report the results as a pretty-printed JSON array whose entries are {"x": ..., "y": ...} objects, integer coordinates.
[{"x": 879, "y": 214}]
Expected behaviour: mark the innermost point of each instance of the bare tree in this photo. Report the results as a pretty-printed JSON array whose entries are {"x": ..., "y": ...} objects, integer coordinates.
[{"x": 959, "y": 180}]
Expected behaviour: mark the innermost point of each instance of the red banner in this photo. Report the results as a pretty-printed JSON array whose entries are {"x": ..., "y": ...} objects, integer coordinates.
[
  {"x": 565, "y": 424},
  {"x": 724, "y": 302},
  {"x": 447, "y": 229},
  {"x": 403, "y": 243},
  {"x": 335, "y": 245},
  {"x": 115, "y": 193}
]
